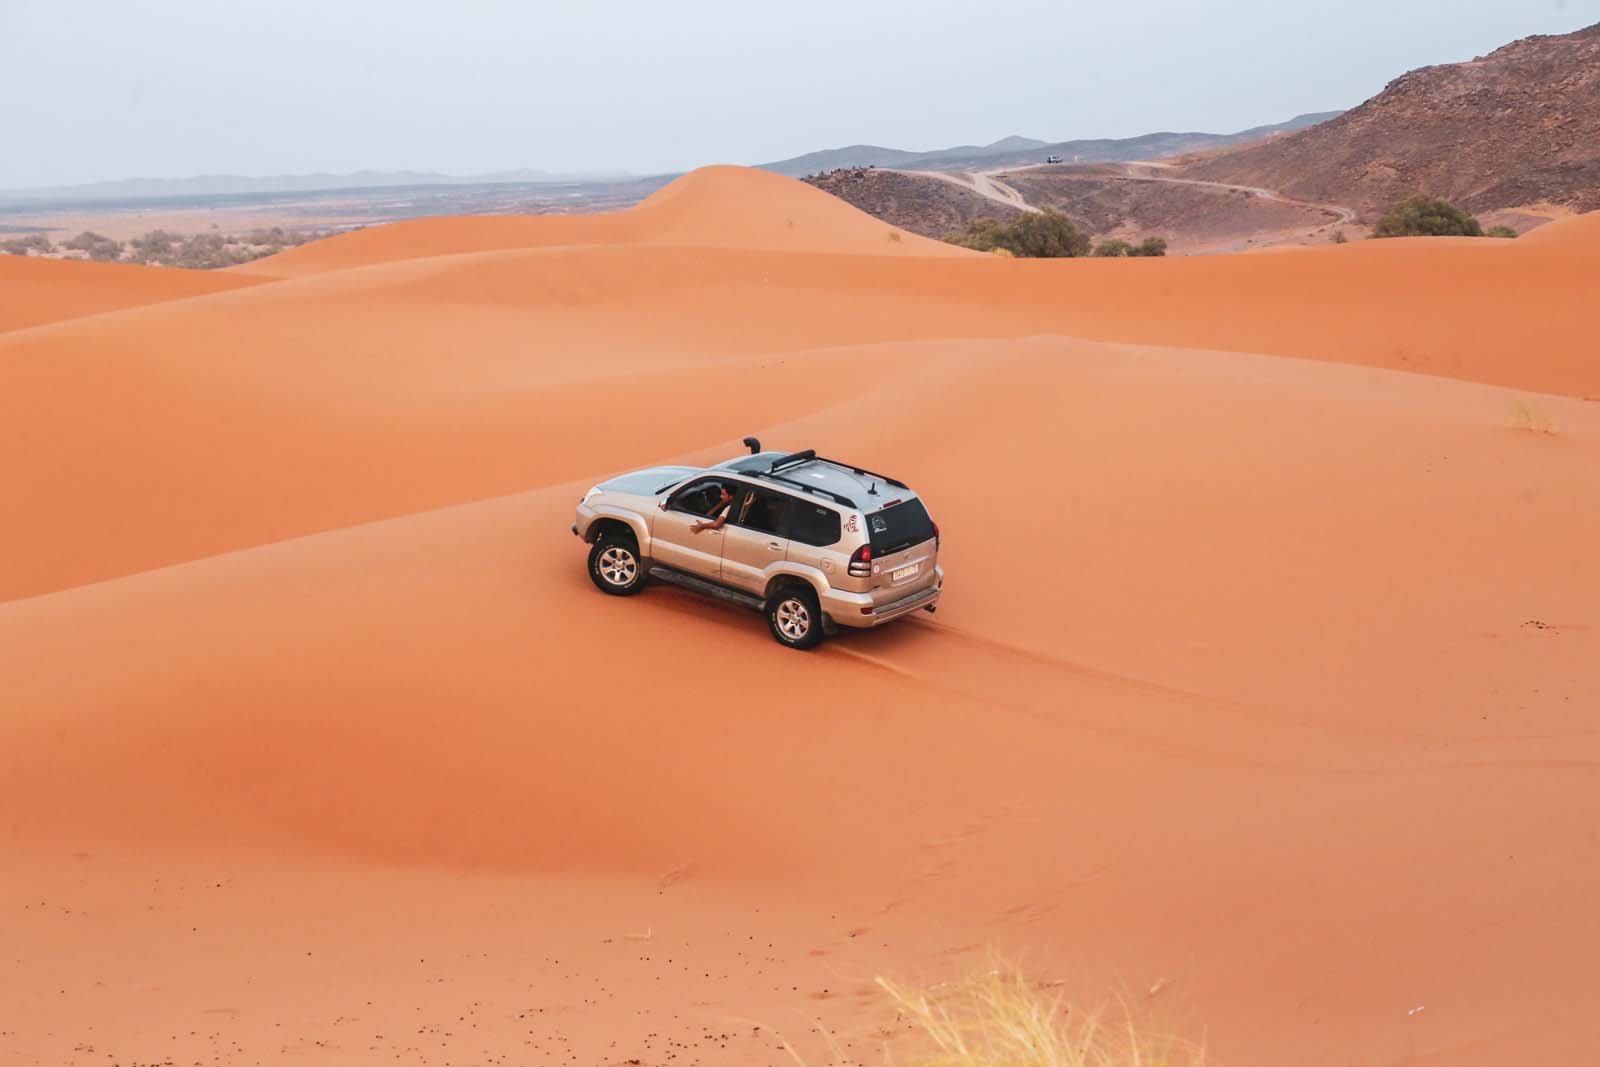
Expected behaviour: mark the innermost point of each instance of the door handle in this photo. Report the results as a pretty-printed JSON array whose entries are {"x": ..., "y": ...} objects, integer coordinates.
[{"x": 774, "y": 546}]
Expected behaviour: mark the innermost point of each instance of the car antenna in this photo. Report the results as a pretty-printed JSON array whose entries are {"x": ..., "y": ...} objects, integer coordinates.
[{"x": 872, "y": 490}]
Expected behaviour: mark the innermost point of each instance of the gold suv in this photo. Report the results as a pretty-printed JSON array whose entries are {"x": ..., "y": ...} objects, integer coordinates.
[{"x": 812, "y": 543}]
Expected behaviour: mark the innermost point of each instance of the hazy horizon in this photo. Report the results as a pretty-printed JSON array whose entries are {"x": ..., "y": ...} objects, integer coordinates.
[{"x": 296, "y": 87}]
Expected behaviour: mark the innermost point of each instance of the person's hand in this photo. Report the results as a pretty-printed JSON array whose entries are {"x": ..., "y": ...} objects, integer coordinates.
[{"x": 696, "y": 527}]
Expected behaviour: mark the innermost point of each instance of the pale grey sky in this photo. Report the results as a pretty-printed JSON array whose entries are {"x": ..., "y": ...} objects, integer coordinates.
[{"x": 96, "y": 90}]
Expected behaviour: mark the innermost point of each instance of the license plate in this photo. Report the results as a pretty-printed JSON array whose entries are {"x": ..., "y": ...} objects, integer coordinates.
[{"x": 902, "y": 573}]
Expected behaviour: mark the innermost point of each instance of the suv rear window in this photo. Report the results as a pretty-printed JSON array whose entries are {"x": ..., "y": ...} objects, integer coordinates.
[
  {"x": 813, "y": 524},
  {"x": 899, "y": 527}
]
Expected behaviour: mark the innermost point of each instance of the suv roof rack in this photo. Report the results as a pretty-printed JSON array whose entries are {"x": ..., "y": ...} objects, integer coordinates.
[
  {"x": 793, "y": 459},
  {"x": 862, "y": 470},
  {"x": 816, "y": 489},
  {"x": 796, "y": 459}
]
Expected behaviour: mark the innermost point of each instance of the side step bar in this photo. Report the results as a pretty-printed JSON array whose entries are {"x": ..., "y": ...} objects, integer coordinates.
[{"x": 700, "y": 585}]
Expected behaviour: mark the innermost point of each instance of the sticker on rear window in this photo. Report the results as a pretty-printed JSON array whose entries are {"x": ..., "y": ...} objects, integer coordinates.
[{"x": 879, "y": 524}]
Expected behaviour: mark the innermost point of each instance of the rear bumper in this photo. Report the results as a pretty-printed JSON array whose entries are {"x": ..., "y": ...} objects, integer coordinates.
[{"x": 857, "y": 609}]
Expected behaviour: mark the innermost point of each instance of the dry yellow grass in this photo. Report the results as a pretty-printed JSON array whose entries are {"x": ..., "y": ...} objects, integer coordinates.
[
  {"x": 1001, "y": 1019},
  {"x": 1525, "y": 416}
]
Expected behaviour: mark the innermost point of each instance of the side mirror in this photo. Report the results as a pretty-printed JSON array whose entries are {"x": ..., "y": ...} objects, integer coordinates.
[{"x": 663, "y": 504}]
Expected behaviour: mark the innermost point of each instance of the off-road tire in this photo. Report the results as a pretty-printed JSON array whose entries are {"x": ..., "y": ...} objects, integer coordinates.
[
  {"x": 795, "y": 617},
  {"x": 615, "y": 566}
]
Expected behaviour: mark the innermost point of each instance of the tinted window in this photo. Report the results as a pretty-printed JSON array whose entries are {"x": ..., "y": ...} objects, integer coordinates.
[
  {"x": 699, "y": 498},
  {"x": 899, "y": 527},
  {"x": 761, "y": 509},
  {"x": 813, "y": 524}
]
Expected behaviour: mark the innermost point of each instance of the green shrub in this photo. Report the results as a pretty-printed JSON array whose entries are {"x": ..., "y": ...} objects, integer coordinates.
[
  {"x": 1033, "y": 235},
  {"x": 97, "y": 246},
  {"x": 1115, "y": 246},
  {"x": 154, "y": 247},
  {"x": 1500, "y": 231},
  {"x": 1047, "y": 235},
  {"x": 1427, "y": 216},
  {"x": 21, "y": 246}
]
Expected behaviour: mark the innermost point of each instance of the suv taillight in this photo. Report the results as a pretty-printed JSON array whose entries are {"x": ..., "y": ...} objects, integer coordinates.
[
  {"x": 936, "y": 537},
  {"x": 861, "y": 562}
]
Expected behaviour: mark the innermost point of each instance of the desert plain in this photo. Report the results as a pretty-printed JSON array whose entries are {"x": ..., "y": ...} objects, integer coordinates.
[{"x": 1264, "y": 694}]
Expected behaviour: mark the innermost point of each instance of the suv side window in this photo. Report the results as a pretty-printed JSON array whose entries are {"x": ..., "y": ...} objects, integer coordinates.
[
  {"x": 761, "y": 510},
  {"x": 813, "y": 524},
  {"x": 699, "y": 498}
]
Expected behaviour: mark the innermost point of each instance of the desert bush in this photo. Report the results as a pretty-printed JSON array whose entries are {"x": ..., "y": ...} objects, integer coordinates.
[
  {"x": 981, "y": 234},
  {"x": 1046, "y": 235},
  {"x": 1115, "y": 246},
  {"x": 1339, "y": 238},
  {"x": 1034, "y": 235},
  {"x": 1500, "y": 231},
  {"x": 97, "y": 246},
  {"x": 275, "y": 236},
  {"x": 156, "y": 246},
  {"x": 208, "y": 251},
  {"x": 1427, "y": 216},
  {"x": 22, "y": 246}
]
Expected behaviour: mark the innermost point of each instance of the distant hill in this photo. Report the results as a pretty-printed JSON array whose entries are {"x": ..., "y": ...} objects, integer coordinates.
[
  {"x": 1013, "y": 151},
  {"x": 239, "y": 185},
  {"x": 1518, "y": 126}
]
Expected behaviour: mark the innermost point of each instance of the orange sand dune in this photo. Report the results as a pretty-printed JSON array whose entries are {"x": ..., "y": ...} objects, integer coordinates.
[
  {"x": 1264, "y": 688},
  {"x": 1578, "y": 234},
  {"x": 715, "y": 207},
  {"x": 470, "y": 375},
  {"x": 37, "y": 291}
]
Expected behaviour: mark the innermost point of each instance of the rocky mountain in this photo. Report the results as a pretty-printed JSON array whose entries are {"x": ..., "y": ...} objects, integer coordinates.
[{"x": 1518, "y": 126}]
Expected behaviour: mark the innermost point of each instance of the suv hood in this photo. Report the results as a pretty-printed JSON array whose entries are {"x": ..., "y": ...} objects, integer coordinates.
[{"x": 649, "y": 481}]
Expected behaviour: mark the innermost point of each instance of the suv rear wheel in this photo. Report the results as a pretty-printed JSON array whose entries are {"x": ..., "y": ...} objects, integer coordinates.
[
  {"x": 614, "y": 565},
  {"x": 795, "y": 617}
]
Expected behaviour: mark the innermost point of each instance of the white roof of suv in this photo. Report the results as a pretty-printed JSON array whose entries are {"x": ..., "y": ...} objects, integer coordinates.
[{"x": 844, "y": 484}]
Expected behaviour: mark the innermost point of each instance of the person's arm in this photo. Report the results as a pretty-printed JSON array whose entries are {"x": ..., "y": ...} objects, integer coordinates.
[{"x": 715, "y": 524}]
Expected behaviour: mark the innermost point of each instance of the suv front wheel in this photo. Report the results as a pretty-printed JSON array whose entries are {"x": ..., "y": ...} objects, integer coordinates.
[
  {"x": 795, "y": 617},
  {"x": 614, "y": 565}
]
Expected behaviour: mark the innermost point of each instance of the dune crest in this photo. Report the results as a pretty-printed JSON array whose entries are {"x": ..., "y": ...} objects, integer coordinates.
[
  {"x": 713, "y": 207},
  {"x": 39, "y": 291}
]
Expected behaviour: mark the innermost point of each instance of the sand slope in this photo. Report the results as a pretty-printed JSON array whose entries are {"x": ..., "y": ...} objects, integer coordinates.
[
  {"x": 38, "y": 291},
  {"x": 715, "y": 207},
  {"x": 470, "y": 375},
  {"x": 1264, "y": 682}
]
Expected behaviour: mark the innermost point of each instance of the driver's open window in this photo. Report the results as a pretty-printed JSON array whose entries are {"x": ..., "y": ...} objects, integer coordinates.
[{"x": 697, "y": 499}]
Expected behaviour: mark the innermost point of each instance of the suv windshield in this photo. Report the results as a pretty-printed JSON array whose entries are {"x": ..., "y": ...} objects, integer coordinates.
[{"x": 899, "y": 527}]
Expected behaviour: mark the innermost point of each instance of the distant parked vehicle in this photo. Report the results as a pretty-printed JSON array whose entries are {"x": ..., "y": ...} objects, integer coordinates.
[
  {"x": 1052, "y": 159},
  {"x": 812, "y": 543}
]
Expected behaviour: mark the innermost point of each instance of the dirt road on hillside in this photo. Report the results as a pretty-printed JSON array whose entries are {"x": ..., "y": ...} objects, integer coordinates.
[
  {"x": 1343, "y": 216},
  {"x": 981, "y": 182}
]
